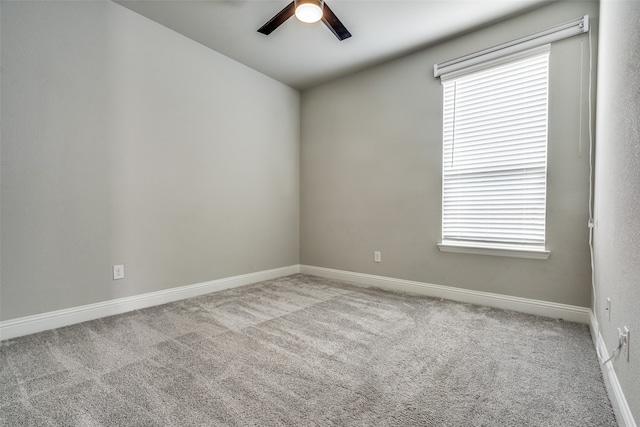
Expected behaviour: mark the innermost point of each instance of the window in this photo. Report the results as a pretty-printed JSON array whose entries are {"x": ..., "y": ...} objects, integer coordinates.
[{"x": 495, "y": 156}]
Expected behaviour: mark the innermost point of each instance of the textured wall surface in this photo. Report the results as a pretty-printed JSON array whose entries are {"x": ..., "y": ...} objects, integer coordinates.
[
  {"x": 371, "y": 170},
  {"x": 617, "y": 195},
  {"x": 126, "y": 143}
]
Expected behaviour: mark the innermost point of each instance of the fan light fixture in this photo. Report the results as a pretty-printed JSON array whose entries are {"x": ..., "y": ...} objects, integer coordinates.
[
  {"x": 318, "y": 10},
  {"x": 309, "y": 11}
]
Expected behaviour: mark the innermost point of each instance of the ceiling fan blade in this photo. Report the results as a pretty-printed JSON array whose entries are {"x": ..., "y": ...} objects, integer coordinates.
[
  {"x": 277, "y": 20},
  {"x": 333, "y": 23}
]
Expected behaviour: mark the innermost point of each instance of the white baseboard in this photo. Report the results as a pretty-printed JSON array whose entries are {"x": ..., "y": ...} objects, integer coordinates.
[
  {"x": 55, "y": 319},
  {"x": 524, "y": 305},
  {"x": 616, "y": 395}
]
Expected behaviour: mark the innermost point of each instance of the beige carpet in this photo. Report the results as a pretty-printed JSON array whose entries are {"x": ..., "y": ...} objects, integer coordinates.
[{"x": 302, "y": 350}]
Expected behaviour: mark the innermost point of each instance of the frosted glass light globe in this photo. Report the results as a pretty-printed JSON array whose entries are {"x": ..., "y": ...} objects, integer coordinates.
[{"x": 309, "y": 12}]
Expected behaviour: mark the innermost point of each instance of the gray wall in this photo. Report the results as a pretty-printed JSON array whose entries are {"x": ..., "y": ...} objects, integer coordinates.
[
  {"x": 371, "y": 170},
  {"x": 124, "y": 142},
  {"x": 617, "y": 198}
]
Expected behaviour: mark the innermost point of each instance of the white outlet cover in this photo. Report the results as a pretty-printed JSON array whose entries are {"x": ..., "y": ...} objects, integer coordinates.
[{"x": 118, "y": 272}]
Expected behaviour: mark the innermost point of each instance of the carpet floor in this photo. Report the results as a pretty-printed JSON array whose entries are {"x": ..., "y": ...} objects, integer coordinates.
[{"x": 303, "y": 350}]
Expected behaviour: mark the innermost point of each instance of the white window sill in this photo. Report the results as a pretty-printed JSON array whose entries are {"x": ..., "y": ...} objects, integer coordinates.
[{"x": 506, "y": 252}]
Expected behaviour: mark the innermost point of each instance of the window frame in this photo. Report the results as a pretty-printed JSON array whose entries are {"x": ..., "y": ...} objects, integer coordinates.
[{"x": 484, "y": 247}]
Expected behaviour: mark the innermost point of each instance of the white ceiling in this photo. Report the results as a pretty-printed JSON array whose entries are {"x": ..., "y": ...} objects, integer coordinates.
[{"x": 303, "y": 55}]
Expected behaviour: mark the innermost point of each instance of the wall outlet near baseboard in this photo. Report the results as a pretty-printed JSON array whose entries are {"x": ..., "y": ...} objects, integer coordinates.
[
  {"x": 623, "y": 340},
  {"x": 377, "y": 256},
  {"x": 118, "y": 272}
]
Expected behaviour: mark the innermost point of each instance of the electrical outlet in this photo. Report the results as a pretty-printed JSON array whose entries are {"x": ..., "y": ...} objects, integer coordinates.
[
  {"x": 118, "y": 272},
  {"x": 609, "y": 308},
  {"x": 623, "y": 340},
  {"x": 377, "y": 256}
]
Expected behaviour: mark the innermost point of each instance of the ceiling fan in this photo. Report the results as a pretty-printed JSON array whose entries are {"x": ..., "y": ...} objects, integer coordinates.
[{"x": 308, "y": 11}]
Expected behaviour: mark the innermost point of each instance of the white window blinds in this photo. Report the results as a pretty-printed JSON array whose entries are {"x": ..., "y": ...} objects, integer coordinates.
[{"x": 495, "y": 154}]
